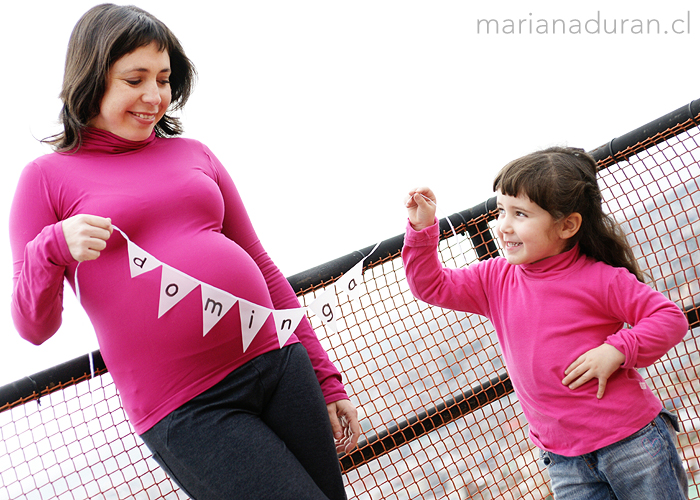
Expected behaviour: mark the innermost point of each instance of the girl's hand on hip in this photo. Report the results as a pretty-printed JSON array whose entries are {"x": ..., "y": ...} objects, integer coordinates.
[
  {"x": 599, "y": 363},
  {"x": 421, "y": 208},
  {"x": 86, "y": 235}
]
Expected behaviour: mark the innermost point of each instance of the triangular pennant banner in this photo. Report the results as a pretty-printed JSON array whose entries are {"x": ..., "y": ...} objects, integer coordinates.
[
  {"x": 351, "y": 282},
  {"x": 215, "y": 304},
  {"x": 252, "y": 318},
  {"x": 140, "y": 261},
  {"x": 174, "y": 286},
  {"x": 286, "y": 321},
  {"x": 324, "y": 307}
]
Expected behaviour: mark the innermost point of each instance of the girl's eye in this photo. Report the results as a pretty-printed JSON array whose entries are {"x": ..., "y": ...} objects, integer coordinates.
[{"x": 165, "y": 82}]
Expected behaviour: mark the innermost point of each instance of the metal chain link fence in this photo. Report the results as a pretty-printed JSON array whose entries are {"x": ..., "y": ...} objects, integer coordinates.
[{"x": 438, "y": 415}]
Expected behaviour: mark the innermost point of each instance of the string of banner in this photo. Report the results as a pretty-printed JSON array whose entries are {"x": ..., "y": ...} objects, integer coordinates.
[{"x": 176, "y": 285}]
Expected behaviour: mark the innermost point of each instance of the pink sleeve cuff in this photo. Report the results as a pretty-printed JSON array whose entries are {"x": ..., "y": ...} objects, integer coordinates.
[{"x": 423, "y": 238}]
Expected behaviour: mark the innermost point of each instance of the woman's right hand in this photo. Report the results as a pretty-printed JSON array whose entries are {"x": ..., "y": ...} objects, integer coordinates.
[
  {"x": 421, "y": 208},
  {"x": 86, "y": 235}
]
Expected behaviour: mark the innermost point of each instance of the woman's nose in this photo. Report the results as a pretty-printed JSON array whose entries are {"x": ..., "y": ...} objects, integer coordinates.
[{"x": 151, "y": 94}]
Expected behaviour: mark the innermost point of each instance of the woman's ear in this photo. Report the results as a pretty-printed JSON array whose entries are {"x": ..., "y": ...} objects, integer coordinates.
[{"x": 570, "y": 225}]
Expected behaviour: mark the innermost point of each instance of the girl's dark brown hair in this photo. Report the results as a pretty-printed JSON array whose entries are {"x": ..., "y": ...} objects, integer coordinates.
[
  {"x": 102, "y": 36},
  {"x": 563, "y": 181}
]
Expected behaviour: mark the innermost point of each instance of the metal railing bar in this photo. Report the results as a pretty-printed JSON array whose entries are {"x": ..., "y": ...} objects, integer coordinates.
[
  {"x": 654, "y": 132},
  {"x": 398, "y": 433}
]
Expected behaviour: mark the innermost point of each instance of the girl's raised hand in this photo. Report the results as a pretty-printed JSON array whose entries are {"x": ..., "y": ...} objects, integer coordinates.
[
  {"x": 421, "y": 208},
  {"x": 599, "y": 363},
  {"x": 86, "y": 235}
]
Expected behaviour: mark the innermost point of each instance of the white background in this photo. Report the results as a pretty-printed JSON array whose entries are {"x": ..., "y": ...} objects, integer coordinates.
[{"x": 327, "y": 112}]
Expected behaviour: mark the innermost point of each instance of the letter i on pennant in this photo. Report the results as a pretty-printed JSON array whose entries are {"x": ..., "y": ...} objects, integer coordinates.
[
  {"x": 286, "y": 322},
  {"x": 253, "y": 317}
]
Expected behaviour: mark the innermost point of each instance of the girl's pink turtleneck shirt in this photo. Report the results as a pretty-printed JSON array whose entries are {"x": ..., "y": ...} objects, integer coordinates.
[
  {"x": 175, "y": 200},
  {"x": 546, "y": 315}
]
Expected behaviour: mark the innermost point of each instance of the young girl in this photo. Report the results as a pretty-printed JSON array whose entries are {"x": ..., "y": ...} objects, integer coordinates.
[{"x": 559, "y": 301}]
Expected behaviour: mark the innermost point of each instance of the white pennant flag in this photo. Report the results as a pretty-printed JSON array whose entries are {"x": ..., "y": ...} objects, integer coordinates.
[
  {"x": 325, "y": 307},
  {"x": 174, "y": 286},
  {"x": 351, "y": 282},
  {"x": 253, "y": 317},
  {"x": 140, "y": 261},
  {"x": 286, "y": 321},
  {"x": 215, "y": 304}
]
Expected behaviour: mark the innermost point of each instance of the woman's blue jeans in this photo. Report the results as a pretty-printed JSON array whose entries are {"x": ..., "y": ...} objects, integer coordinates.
[
  {"x": 261, "y": 433},
  {"x": 644, "y": 466}
]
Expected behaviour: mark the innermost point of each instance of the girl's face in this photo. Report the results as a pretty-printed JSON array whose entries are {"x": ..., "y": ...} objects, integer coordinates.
[
  {"x": 137, "y": 94},
  {"x": 527, "y": 232}
]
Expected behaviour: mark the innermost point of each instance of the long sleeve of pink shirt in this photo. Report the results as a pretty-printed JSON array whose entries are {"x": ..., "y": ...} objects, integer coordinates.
[
  {"x": 546, "y": 315},
  {"x": 175, "y": 200}
]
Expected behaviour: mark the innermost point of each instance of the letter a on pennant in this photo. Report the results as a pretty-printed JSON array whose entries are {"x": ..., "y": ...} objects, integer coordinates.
[
  {"x": 352, "y": 282},
  {"x": 174, "y": 286},
  {"x": 140, "y": 261},
  {"x": 215, "y": 304},
  {"x": 286, "y": 321},
  {"x": 253, "y": 317}
]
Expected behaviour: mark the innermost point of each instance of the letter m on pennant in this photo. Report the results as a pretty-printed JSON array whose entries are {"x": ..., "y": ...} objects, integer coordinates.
[{"x": 215, "y": 304}]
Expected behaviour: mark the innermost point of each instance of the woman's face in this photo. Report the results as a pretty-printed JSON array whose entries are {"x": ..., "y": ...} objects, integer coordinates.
[{"x": 137, "y": 94}]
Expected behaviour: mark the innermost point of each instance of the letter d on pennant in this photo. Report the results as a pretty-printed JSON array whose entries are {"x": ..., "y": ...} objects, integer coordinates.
[{"x": 140, "y": 261}]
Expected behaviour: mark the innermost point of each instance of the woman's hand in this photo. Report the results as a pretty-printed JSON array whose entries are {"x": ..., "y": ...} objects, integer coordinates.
[
  {"x": 346, "y": 428},
  {"x": 421, "y": 208},
  {"x": 86, "y": 235},
  {"x": 599, "y": 363}
]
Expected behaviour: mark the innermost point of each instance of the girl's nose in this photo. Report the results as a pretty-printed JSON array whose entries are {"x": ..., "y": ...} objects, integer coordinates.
[{"x": 503, "y": 224}]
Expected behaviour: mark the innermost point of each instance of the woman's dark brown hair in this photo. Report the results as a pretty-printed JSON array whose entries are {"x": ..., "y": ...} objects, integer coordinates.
[
  {"x": 563, "y": 181},
  {"x": 102, "y": 36}
]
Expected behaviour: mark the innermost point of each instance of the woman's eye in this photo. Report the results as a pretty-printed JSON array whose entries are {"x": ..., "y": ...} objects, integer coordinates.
[{"x": 133, "y": 82}]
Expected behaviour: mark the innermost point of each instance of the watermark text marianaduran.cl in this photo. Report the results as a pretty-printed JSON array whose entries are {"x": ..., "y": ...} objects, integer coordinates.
[{"x": 593, "y": 25}]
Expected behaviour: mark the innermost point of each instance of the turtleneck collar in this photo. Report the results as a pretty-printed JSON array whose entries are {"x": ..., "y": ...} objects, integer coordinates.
[
  {"x": 555, "y": 266},
  {"x": 95, "y": 140}
]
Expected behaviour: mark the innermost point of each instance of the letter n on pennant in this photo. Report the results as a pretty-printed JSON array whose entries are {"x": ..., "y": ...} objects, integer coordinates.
[
  {"x": 174, "y": 286},
  {"x": 215, "y": 304},
  {"x": 253, "y": 317},
  {"x": 286, "y": 321}
]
